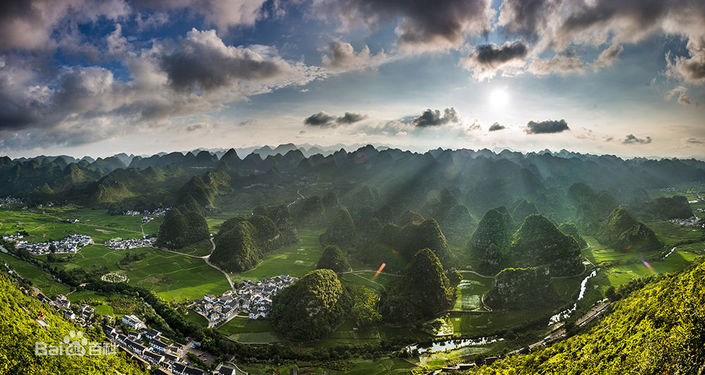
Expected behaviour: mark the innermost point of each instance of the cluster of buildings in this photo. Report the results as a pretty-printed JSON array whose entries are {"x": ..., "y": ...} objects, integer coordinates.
[
  {"x": 6, "y": 201},
  {"x": 149, "y": 346},
  {"x": 147, "y": 215},
  {"x": 71, "y": 244},
  {"x": 252, "y": 299},
  {"x": 130, "y": 243},
  {"x": 692, "y": 221}
]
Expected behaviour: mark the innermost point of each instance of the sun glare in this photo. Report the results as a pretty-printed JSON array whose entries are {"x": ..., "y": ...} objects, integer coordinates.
[{"x": 499, "y": 98}]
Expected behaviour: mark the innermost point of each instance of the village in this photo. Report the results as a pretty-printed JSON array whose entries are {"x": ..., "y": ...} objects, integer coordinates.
[
  {"x": 251, "y": 299},
  {"x": 67, "y": 245},
  {"x": 130, "y": 334},
  {"x": 130, "y": 243},
  {"x": 692, "y": 221},
  {"x": 147, "y": 215},
  {"x": 6, "y": 201}
]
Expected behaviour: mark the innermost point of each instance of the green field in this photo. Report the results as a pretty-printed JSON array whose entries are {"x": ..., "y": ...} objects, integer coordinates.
[
  {"x": 198, "y": 249},
  {"x": 378, "y": 366},
  {"x": 295, "y": 260},
  {"x": 50, "y": 224},
  {"x": 470, "y": 292},
  {"x": 671, "y": 234},
  {"x": 172, "y": 276},
  {"x": 246, "y": 330},
  {"x": 39, "y": 278}
]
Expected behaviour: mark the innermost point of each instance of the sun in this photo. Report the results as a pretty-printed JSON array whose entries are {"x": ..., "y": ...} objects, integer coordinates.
[{"x": 499, "y": 98}]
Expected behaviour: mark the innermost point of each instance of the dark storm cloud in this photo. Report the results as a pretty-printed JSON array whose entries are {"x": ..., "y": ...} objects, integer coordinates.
[
  {"x": 633, "y": 140},
  {"x": 324, "y": 120},
  {"x": 526, "y": 17},
  {"x": 320, "y": 119},
  {"x": 434, "y": 118},
  {"x": 203, "y": 61},
  {"x": 496, "y": 126},
  {"x": 492, "y": 55},
  {"x": 350, "y": 118},
  {"x": 425, "y": 24},
  {"x": 546, "y": 127}
]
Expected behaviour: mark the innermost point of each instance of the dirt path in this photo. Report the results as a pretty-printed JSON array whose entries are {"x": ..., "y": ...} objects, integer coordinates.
[
  {"x": 478, "y": 274},
  {"x": 205, "y": 259}
]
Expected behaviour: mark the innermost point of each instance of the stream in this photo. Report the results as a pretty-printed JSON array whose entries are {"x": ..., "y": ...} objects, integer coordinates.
[
  {"x": 440, "y": 346},
  {"x": 569, "y": 311}
]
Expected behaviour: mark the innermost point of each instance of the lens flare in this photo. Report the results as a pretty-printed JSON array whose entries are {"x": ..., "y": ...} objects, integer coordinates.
[
  {"x": 379, "y": 271},
  {"x": 647, "y": 265}
]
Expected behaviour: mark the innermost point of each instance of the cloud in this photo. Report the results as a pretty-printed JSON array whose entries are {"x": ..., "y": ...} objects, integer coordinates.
[
  {"x": 434, "y": 118},
  {"x": 320, "y": 119},
  {"x": 195, "y": 127},
  {"x": 342, "y": 57},
  {"x": 424, "y": 26},
  {"x": 559, "y": 25},
  {"x": 203, "y": 62},
  {"x": 496, "y": 127},
  {"x": 324, "y": 120},
  {"x": 560, "y": 64},
  {"x": 682, "y": 95},
  {"x": 488, "y": 58},
  {"x": 526, "y": 17},
  {"x": 350, "y": 118},
  {"x": 608, "y": 56},
  {"x": 546, "y": 127},
  {"x": 631, "y": 140},
  {"x": 159, "y": 90},
  {"x": 30, "y": 24},
  {"x": 117, "y": 44},
  {"x": 222, "y": 14}
]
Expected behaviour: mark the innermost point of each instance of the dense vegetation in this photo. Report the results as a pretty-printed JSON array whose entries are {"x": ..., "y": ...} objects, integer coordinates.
[
  {"x": 423, "y": 292},
  {"x": 311, "y": 308},
  {"x": 659, "y": 329},
  {"x": 181, "y": 229},
  {"x": 539, "y": 242},
  {"x": 624, "y": 233},
  {"x": 19, "y": 331},
  {"x": 241, "y": 243}
]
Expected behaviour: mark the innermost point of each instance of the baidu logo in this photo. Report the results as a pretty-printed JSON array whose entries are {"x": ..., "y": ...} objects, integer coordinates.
[{"x": 74, "y": 344}]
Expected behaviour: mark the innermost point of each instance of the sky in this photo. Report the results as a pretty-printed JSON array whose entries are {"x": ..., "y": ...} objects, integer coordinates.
[{"x": 99, "y": 77}]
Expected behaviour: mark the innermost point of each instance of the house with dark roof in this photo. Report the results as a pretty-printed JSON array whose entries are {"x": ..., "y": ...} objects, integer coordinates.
[
  {"x": 152, "y": 358},
  {"x": 158, "y": 346}
]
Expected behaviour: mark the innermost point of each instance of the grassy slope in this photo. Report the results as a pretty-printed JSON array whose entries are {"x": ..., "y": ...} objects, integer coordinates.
[{"x": 658, "y": 329}]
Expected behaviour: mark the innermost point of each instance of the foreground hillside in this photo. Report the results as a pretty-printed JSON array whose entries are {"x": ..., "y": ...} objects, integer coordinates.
[
  {"x": 659, "y": 329},
  {"x": 19, "y": 332}
]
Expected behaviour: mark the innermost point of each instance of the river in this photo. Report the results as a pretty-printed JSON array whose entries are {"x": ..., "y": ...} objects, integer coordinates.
[
  {"x": 569, "y": 311},
  {"x": 440, "y": 346}
]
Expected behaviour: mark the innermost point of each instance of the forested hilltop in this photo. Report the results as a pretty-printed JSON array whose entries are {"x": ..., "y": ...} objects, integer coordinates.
[
  {"x": 366, "y": 261},
  {"x": 480, "y": 179}
]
